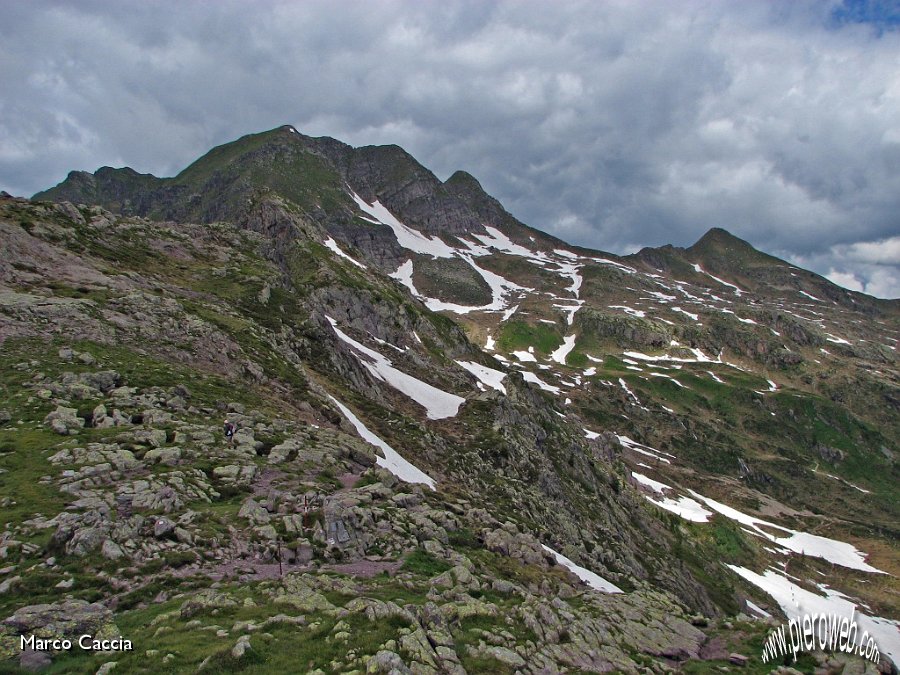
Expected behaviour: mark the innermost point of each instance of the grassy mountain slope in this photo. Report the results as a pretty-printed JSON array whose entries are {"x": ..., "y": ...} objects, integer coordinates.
[{"x": 716, "y": 368}]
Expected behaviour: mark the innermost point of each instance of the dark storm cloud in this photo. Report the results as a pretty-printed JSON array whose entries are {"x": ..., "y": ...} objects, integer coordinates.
[{"x": 613, "y": 125}]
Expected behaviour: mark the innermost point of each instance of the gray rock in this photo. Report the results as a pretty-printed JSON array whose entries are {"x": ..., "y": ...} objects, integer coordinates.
[
  {"x": 33, "y": 660},
  {"x": 69, "y": 618},
  {"x": 503, "y": 655},
  {"x": 254, "y": 512},
  {"x": 7, "y": 584},
  {"x": 153, "y": 437},
  {"x": 266, "y": 532},
  {"x": 241, "y": 646},
  {"x": 162, "y": 527},
  {"x": 167, "y": 456},
  {"x": 208, "y": 599},
  {"x": 387, "y": 662},
  {"x": 64, "y": 421},
  {"x": 111, "y": 550},
  {"x": 99, "y": 415},
  {"x": 283, "y": 452}
]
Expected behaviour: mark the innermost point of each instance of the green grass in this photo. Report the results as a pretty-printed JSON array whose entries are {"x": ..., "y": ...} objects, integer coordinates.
[
  {"x": 423, "y": 563},
  {"x": 518, "y": 335},
  {"x": 24, "y": 462}
]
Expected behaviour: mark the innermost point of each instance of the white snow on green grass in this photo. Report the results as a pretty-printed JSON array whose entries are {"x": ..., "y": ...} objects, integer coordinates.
[
  {"x": 332, "y": 245},
  {"x": 795, "y": 601},
  {"x": 487, "y": 376},
  {"x": 562, "y": 352},
  {"x": 438, "y": 404},
  {"x": 392, "y": 460},
  {"x": 525, "y": 356},
  {"x": 685, "y": 507},
  {"x": 837, "y": 552},
  {"x": 593, "y": 580}
]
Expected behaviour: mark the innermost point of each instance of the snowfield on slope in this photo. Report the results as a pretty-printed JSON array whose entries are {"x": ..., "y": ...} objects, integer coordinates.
[
  {"x": 837, "y": 552},
  {"x": 392, "y": 460},
  {"x": 438, "y": 403},
  {"x": 487, "y": 376},
  {"x": 593, "y": 580},
  {"x": 407, "y": 237},
  {"x": 795, "y": 601},
  {"x": 332, "y": 245}
]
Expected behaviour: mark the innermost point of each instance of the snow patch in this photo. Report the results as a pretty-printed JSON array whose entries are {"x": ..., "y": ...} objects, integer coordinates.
[
  {"x": 488, "y": 376},
  {"x": 685, "y": 507},
  {"x": 837, "y": 552},
  {"x": 407, "y": 237},
  {"x": 593, "y": 580},
  {"x": 654, "y": 485},
  {"x": 560, "y": 354},
  {"x": 437, "y": 403},
  {"x": 392, "y": 461},
  {"x": 695, "y": 317},
  {"x": 629, "y": 310},
  {"x": 332, "y": 245},
  {"x": 534, "y": 379},
  {"x": 737, "y": 291},
  {"x": 796, "y": 601}
]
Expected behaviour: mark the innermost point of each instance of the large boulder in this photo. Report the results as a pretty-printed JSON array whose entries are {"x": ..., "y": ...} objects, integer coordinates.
[
  {"x": 68, "y": 619},
  {"x": 64, "y": 421}
]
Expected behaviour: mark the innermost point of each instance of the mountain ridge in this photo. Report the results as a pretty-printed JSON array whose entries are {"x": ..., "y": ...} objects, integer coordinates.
[
  {"x": 650, "y": 418},
  {"x": 126, "y": 191}
]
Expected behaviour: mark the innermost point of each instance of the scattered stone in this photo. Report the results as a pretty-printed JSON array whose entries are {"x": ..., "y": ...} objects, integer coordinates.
[
  {"x": 738, "y": 659},
  {"x": 64, "y": 421},
  {"x": 254, "y": 512},
  {"x": 162, "y": 527},
  {"x": 32, "y": 660},
  {"x": 387, "y": 662},
  {"x": 205, "y": 600},
  {"x": 241, "y": 646}
]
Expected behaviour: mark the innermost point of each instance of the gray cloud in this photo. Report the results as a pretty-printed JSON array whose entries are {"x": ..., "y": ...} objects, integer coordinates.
[{"x": 613, "y": 125}]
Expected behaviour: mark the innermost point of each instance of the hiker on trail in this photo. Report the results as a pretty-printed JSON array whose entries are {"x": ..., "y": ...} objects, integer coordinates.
[{"x": 230, "y": 428}]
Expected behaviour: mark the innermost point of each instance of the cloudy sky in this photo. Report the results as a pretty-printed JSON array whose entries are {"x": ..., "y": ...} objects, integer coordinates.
[{"x": 614, "y": 125}]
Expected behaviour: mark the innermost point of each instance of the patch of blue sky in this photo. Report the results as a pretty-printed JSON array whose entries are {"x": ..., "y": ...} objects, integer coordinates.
[{"x": 881, "y": 15}]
